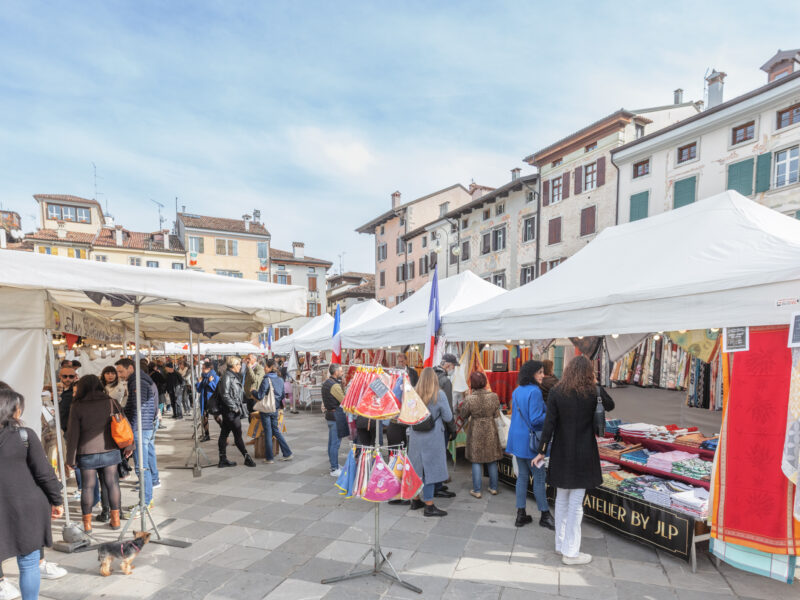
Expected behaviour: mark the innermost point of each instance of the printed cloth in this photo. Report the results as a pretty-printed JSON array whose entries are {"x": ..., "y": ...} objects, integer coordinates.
[
  {"x": 775, "y": 566},
  {"x": 790, "y": 465},
  {"x": 693, "y": 501},
  {"x": 694, "y": 468},
  {"x": 663, "y": 461},
  {"x": 613, "y": 480},
  {"x": 700, "y": 343}
]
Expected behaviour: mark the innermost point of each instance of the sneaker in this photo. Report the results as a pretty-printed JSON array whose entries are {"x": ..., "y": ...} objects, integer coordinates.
[
  {"x": 8, "y": 591},
  {"x": 50, "y": 570},
  {"x": 269, "y": 461},
  {"x": 580, "y": 559},
  {"x": 157, "y": 485},
  {"x": 336, "y": 472},
  {"x": 285, "y": 458},
  {"x": 474, "y": 494},
  {"x": 493, "y": 492},
  {"x": 76, "y": 496}
]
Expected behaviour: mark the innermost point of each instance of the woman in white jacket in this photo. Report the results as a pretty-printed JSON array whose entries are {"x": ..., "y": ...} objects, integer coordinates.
[{"x": 115, "y": 388}]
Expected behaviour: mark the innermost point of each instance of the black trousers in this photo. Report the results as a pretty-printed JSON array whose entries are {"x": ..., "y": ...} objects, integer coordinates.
[
  {"x": 396, "y": 434},
  {"x": 231, "y": 424}
]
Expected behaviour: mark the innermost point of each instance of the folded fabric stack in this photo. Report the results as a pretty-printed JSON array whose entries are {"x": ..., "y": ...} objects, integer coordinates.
[
  {"x": 636, "y": 486},
  {"x": 607, "y": 467},
  {"x": 693, "y": 502},
  {"x": 658, "y": 492},
  {"x": 710, "y": 444},
  {"x": 614, "y": 450},
  {"x": 694, "y": 468},
  {"x": 639, "y": 457},
  {"x": 693, "y": 439},
  {"x": 615, "y": 478},
  {"x": 663, "y": 461},
  {"x": 637, "y": 430}
]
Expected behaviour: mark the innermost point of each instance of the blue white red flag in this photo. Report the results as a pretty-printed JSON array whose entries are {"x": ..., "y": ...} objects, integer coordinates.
[
  {"x": 269, "y": 338},
  {"x": 434, "y": 321},
  {"x": 337, "y": 337}
]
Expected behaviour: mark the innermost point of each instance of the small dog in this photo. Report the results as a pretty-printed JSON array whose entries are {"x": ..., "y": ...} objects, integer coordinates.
[{"x": 126, "y": 551}]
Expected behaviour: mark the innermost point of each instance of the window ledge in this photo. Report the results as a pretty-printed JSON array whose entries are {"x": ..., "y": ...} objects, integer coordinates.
[{"x": 783, "y": 188}]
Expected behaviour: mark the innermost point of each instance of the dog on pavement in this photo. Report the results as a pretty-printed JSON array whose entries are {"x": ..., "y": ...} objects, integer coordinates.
[{"x": 125, "y": 551}]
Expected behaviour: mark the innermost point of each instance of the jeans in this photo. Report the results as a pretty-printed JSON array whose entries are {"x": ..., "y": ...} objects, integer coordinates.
[
  {"x": 269, "y": 421},
  {"x": 152, "y": 462},
  {"x": 147, "y": 478},
  {"x": 79, "y": 481},
  {"x": 539, "y": 487},
  {"x": 569, "y": 513},
  {"x": 427, "y": 492},
  {"x": 29, "y": 576},
  {"x": 334, "y": 441},
  {"x": 477, "y": 476}
]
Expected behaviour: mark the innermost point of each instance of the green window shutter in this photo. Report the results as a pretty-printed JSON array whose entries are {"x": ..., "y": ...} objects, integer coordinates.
[
  {"x": 797, "y": 214},
  {"x": 639, "y": 206},
  {"x": 763, "y": 172},
  {"x": 684, "y": 192},
  {"x": 740, "y": 177}
]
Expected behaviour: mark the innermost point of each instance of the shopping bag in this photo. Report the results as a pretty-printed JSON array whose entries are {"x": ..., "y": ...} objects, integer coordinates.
[
  {"x": 411, "y": 484},
  {"x": 382, "y": 485},
  {"x": 503, "y": 423},
  {"x": 348, "y": 473},
  {"x": 121, "y": 430},
  {"x": 413, "y": 410}
]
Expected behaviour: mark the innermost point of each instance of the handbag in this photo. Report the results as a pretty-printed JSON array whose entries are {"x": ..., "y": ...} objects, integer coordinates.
[
  {"x": 599, "y": 416},
  {"x": 502, "y": 423},
  {"x": 120, "y": 427},
  {"x": 533, "y": 442},
  {"x": 266, "y": 404},
  {"x": 426, "y": 424}
]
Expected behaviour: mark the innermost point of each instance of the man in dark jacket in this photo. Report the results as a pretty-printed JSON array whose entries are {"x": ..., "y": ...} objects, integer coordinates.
[
  {"x": 205, "y": 387},
  {"x": 66, "y": 379},
  {"x": 269, "y": 421},
  {"x": 230, "y": 410},
  {"x": 149, "y": 398},
  {"x": 332, "y": 396},
  {"x": 174, "y": 385},
  {"x": 161, "y": 385},
  {"x": 402, "y": 364}
]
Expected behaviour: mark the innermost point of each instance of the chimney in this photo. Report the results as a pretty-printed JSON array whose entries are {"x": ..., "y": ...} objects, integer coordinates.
[
  {"x": 246, "y": 219},
  {"x": 715, "y": 82},
  {"x": 395, "y": 199},
  {"x": 678, "y": 96},
  {"x": 515, "y": 173},
  {"x": 183, "y": 208},
  {"x": 61, "y": 232},
  {"x": 165, "y": 233},
  {"x": 298, "y": 249},
  {"x": 118, "y": 235}
]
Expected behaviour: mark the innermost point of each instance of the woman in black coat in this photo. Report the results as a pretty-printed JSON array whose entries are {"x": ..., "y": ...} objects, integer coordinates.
[
  {"x": 574, "y": 460},
  {"x": 32, "y": 494}
]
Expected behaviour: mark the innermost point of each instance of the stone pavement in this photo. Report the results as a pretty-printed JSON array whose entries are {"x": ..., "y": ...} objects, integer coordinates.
[{"x": 275, "y": 531}]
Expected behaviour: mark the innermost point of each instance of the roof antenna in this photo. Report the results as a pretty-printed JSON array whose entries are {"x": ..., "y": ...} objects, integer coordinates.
[
  {"x": 160, "y": 218},
  {"x": 94, "y": 168}
]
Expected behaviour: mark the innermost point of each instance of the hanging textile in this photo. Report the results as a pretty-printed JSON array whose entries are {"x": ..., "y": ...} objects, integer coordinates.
[
  {"x": 413, "y": 410},
  {"x": 701, "y": 343},
  {"x": 775, "y": 566},
  {"x": 753, "y": 500},
  {"x": 382, "y": 485},
  {"x": 790, "y": 465},
  {"x": 589, "y": 345}
]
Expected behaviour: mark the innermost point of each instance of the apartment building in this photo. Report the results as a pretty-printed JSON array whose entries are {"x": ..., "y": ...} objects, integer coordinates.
[
  {"x": 228, "y": 247},
  {"x": 295, "y": 268},
  {"x": 349, "y": 288},
  {"x": 67, "y": 225},
  {"x": 578, "y": 182},
  {"x": 157, "y": 250},
  {"x": 750, "y": 144}
]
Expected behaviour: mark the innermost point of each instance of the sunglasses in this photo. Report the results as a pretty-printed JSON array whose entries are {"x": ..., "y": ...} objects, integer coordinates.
[{"x": 68, "y": 376}]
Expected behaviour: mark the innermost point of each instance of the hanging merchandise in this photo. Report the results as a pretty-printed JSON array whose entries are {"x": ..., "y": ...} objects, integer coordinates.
[
  {"x": 413, "y": 410},
  {"x": 398, "y": 465},
  {"x": 411, "y": 484},
  {"x": 348, "y": 475},
  {"x": 382, "y": 485},
  {"x": 378, "y": 401}
]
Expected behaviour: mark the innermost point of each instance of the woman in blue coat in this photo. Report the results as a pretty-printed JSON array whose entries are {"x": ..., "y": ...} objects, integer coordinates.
[{"x": 527, "y": 414}]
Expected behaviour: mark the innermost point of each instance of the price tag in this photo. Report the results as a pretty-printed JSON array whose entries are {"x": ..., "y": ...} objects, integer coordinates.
[{"x": 380, "y": 388}]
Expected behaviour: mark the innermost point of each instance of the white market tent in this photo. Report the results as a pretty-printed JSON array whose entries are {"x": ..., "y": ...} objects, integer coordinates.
[
  {"x": 213, "y": 348},
  {"x": 725, "y": 261},
  {"x": 322, "y": 338},
  {"x": 285, "y": 344},
  {"x": 407, "y": 323}
]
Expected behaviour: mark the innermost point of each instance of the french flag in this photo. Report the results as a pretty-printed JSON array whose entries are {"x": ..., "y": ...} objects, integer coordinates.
[
  {"x": 434, "y": 322},
  {"x": 269, "y": 338},
  {"x": 337, "y": 337}
]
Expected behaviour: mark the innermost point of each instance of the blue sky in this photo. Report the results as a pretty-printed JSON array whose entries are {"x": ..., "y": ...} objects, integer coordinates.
[{"x": 315, "y": 112}]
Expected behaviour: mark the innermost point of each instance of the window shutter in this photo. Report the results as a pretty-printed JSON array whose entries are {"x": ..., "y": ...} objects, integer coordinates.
[
  {"x": 545, "y": 193},
  {"x": 565, "y": 186},
  {"x": 554, "y": 231},
  {"x": 544, "y": 267},
  {"x": 308, "y": 310},
  {"x": 684, "y": 192},
  {"x": 291, "y": 330},
  {"x": 740, "y": 177},
  {"x": 601, "y": 171},
  {"x": 522, "y": 277},
  {"x": 639, "y": 206},
  {"x": 274, "y": 279},
  {"x": 763, "y": 172},
  {"x": 578, "y": 180},
  {"x": 201, "y": 248},
  {"x": 289, "y": 279}
]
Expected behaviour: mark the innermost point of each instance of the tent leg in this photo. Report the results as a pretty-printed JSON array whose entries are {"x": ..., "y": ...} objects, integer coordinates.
[{"x": 51, "y": 356}]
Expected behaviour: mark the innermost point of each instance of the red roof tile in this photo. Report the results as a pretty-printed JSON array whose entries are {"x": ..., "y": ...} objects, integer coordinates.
[
  {"x": 220, "y": 224},
  {"x": 137, "y": 240},
  {"x": 51, "y": 235},
  {"x": 283, "y": 256}
]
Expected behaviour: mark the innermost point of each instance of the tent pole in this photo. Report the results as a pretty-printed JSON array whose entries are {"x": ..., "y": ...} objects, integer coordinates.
[
  {"x": 138, "y": 374},
  {"x": 52, "y": 359}
]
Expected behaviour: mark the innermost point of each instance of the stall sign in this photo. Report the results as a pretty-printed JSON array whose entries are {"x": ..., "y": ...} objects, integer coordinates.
[
  {"x": 736, "y": 339},
  {"x": 794, "y": 331},
  {"x": 76, "y": 322}
]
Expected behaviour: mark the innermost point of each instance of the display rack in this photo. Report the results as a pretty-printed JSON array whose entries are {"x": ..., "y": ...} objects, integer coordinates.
[{"x": 640, "y": 468}]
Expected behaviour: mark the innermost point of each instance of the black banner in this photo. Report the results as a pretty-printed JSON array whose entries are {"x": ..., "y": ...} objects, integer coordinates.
[{"x": 643, "y": 521}]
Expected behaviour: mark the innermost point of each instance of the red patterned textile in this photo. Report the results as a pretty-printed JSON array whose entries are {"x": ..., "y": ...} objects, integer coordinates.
[{"x": 503, "y": 384}]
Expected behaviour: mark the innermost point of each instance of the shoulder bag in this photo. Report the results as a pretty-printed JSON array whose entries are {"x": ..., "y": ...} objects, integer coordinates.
[
  {"x": 120, "y": 427},
  {"x": 267, "y": 404},
  {"x": 533, "y": 439},
  {"x": 599, "y": 415}
]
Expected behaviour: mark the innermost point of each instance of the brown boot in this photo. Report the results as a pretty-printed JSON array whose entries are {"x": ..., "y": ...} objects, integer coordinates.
[
  {"x": 87, "y": 523},
  {"x": 114, "y": 523}
]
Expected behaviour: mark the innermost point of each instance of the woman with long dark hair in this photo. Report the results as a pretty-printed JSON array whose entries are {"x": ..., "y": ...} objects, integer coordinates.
[
  {"x": 91, "y": 448},
  {"x": 31, "y": 494},
  {"x": 574, "y": 459},
  {"x": 114, "y": 386},
  {"x": 527, "y": 415}
]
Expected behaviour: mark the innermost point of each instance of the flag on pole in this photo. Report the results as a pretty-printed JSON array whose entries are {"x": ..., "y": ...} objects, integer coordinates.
[
  {"x": 269, "y": 338},
  {"x": 337, "y": 337},
  {"x": 434, "y": 322}
]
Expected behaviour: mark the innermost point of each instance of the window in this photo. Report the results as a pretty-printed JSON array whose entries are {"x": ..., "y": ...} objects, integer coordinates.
[
  {"x": 465, "y": 250},
  {"x": 410, "y": 270},
  {"x": 400, "y": 273},
  {"x": 464, "y": 223},
  {"x": 588, "y": 215},
  {"x": 84, "y": 215},
  {"x": 500, "y": 209},
  {"x": 400, "y": 246},
  {"x": 381, "y": 252},
  {"x": 486, "y": 242},
  {"x": 499, "y": 279},
  {"x": 312, "y": 283},
  {"x": 54, "y": 212},
  {"x": 554, "y": 231},
  {"x": 281, "y": 267},
  {"x": 68, "y": 213},
  {"x": 641, "y": 168},
  {"x": 409, "y": 247},
  {"x": 443, "y": 208},
  {"x": 529, "y": 229},
  {"x": 263, "y": 250},
  {"x": 499, "y": 239},
  {"x": 263, "y": 277},
  {"x": 529, "y": 196},
  {"x": 554, "y": 263},
  {"x": 687, "y": 152},
  {"x": 487, "y": 214},
  {"x": 312, "y": 309},
  {"x": 453, "y": 227},
  {"x": 227, "y": 273},
  {"x": 742, "y": 133},
  {"x": 786, "y": 166},
  {"x": 383, "y": 230},
  {"x": 101, "y": 258},
  {"x": 590, "y": 147},
  {"x": 312, "y": 269},
  {"x": 527, "y": 274},
  {"x": 639, "y": 131},
  {"x": 790, "y": 116},
  {"x": 282, "y": 278},
  {"x": 402, "y": 221},
  {"x": 684, "y": 192},
  {"x": 453, "y": 254},
  {"x": 196, "y": 244},
  {"x": 76, "y": 253},
  {"x": 152, "y": 264},
  {"x": 177, "y": 266},
  {"x": 227, "y": 247},
  {"x": 589, "y": 177},
  {"x": 424, "y": 241},
  {"x": 639, "y": 206},
  {"x": 556, "y": 162},
  {"x": 424, "y": 265},
  {"x": 740, "y": 176},
  {"x": 433, "y": 236},
  {"x": 555, "y": 190},
  {"x": 134, "y": 261},
  {"x": 382, "y": 278}
]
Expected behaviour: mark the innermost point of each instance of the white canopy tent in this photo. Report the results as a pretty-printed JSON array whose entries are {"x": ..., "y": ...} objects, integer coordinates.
[
  {"x": 213, "y": 348},
  {"x": 407, "y": 322},
  {"x": 322, "y": 338},
  {"x": 725, "y": 261},
  {"x": 285, "y": 344}
]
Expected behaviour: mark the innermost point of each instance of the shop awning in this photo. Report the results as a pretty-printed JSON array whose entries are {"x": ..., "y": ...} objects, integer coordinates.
[{"x": 353, "y": 317}]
